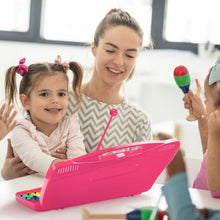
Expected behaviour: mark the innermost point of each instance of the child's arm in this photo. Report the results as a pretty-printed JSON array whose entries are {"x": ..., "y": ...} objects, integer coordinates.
[
  {"x": 75, "y": 145},
  {"x": 213, "y": 154},
  {"x": 177, "y": 188},
  {"x": 34, "y": 156},
  {"x": 7, "y": 122},
  {"x": 199, "y": 111}
]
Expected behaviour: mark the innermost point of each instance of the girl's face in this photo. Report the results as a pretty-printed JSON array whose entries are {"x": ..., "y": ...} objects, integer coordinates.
[
  {"x": 48, "y": 101},
  {"x": 116, "y": 54},
  {"x": 209, "y": 98}
]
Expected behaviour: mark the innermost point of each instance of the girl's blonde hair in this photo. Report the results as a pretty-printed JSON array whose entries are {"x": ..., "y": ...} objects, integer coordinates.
[{"x": 35, "y": 72}]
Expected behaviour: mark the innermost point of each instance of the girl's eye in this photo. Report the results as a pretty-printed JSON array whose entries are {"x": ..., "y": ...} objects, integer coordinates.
[
  {"x": 44, "y": 94},
  {"x": 62, "y": 94}
]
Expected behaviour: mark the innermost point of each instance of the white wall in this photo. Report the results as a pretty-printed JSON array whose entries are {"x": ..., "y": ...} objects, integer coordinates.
[{"x": 153, "y": 86}]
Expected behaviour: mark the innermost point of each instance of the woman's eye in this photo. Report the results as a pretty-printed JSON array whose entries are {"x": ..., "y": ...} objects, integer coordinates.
[
  {"x": 130, "y": 56},
  {"x": 110, "y": 51}
]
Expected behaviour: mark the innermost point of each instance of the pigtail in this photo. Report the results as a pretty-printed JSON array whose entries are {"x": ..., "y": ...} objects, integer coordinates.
[
  {"x": 10, "y": 86},
  {"x": 77, "y": 70}
]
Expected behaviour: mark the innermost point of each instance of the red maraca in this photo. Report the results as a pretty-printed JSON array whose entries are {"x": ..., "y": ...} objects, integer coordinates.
[{"x": 182, "y": 79}]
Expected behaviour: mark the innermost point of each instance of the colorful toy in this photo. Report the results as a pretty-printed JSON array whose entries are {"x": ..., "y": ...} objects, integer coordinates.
[
  {"x": 182, "y": 79},
  {"x": 137, "y": 214},
  {"x": 114, "y": 172}
]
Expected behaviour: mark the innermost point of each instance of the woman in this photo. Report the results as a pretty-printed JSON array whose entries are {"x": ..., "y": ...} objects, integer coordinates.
[{"x": 117, "y": 43}]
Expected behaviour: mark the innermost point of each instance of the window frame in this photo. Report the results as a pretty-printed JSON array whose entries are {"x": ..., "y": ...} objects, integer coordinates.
[
  {"x": 34, "y": 26},
  {"x": 157, "y": 25},
  {"x": 33, "y": 34}
]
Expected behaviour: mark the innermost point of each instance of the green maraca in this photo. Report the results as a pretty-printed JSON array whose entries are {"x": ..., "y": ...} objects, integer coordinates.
[{"x": 182, "y": 79}]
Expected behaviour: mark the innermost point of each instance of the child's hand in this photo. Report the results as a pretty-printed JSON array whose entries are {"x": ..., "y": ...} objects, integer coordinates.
[
  {"x": 6, "y": 121},
  {"x": 195, "y": 101},
  {"x": 177, "y": 165},
  {"x": 163, "y": 136},
  {"x": 60, "y": 153}
]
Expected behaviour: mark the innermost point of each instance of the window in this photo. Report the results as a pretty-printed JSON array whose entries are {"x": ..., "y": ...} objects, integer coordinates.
[
  {"x": 77, "y": 20},
  {"x": 158, "y": 25},
  {"x": 195, "y": 21},
  {"x": 66, "y": 21},
  {"x": 14, "y": 15},
  {"x": 173, "y": 24}
]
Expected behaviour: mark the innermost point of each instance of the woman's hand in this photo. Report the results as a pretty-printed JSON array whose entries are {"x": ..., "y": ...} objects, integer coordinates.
[{"x": 13, "y": 166}]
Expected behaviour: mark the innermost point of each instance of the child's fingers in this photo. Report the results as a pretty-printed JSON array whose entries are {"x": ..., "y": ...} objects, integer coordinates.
[
  {"x": 2, "y": 110},
  {"x": 186, "y": 101},
  {"x": 60, "y": 153},
  {"x": 7, "y": 113},
  {"x": 61, "y": 150},
  {"x": 11, "y": 127},
  {"x": 198, "y": 86},
  {"x": 190, "y": 94},
  {"x": 11, "y": 118}
]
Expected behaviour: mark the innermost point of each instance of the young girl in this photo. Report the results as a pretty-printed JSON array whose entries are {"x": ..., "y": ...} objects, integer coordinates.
[
  {"x": 209, "y": 167},
  {"x": 43, "y": 93}
]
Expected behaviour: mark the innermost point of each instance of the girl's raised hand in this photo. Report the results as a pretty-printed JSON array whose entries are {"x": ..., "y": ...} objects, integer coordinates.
[
  {"x": 7, "y": 122},
  {"x": 195, "y": 101}
]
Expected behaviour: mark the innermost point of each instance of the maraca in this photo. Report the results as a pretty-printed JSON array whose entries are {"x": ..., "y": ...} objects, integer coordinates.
[{"x": 182, "y": 79}]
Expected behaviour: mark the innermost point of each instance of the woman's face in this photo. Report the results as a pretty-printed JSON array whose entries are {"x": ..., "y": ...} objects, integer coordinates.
[{"x": 115, "y": 56}]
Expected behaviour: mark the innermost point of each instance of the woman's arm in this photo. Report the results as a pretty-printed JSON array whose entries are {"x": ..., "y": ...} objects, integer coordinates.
[{"x": 13, "y": 166}]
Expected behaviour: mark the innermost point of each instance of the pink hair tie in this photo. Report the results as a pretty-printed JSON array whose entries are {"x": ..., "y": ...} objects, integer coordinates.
[
  {"x": 64, "y": 64},
  {"x": 21, "y": 68}
]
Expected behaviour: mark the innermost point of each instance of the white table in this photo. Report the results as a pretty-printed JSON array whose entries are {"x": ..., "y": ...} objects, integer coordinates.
[{"x": 11, "y": 209}]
